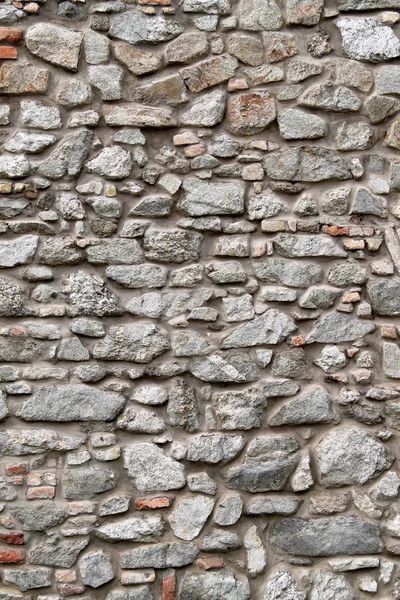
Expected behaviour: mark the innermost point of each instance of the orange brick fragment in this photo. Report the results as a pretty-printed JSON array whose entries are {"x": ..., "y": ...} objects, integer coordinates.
[
  {"x": 335, "y": 230},
  {"x": 169, "y": 588},
  {"x": 299, "y": 340},
  {"x": 210, "y": 562},
  {"x": 8, "y": 53},
  {"x": 156, "y": 2},
  {"x": 388, "y": 331},
  {"x": 152, "y": 503},
  {"x": 18, "y": 469},
  {"x": 70, "y": 590},
  {"x": 12, "y": 36},
  {"x": 40, "y": 492},
  {"x": 11, "y": 557},
  {"x": 15, "y": 538}
]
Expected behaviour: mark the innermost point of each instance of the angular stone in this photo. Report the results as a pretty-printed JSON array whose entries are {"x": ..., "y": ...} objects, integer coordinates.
[
  {"x": 268, "y": 463},
  {"x": 251, "y": 113},
  {"x": 232, "y": 367},
  {"x": 72, "y": 403},
  {"x": 368, "y": 39},
  {"x": 186, "y": 47},
  {"x": 141, "y": 592},
  {"x": 379, "y": 108},
  {"x": 354, "y": 136},
  {"x": 247, "y": 49},
  {"x": 172, "y": 245},
  {"x": 214, "y": 448},
  {"x": 135, "y": 27},
  {"x": 334, "y": 328},
  {"x": 190, "y": 515},
  {"x": 18, "y": 442},
  {"x": 136, "y": 115},
  {"x": 14, "y": 167},
  {"x": 167, "y": 90},
  {"x": 331, "y": 359},
  {"x": 206, "y": 111},
  {"x": 183, "y": 407},
  {"x": 326, "y": 536},
  {"x": 259, "y": 16},
  {"x": 347, "y": 273},
  {"x": 113, "y": 162},
  {"x": 273, "y": 505},
  {"x": 209, "y": 72},
  {"x": 96, "y": 569},
  {"x": 296, "y": 125},
  {"x": 219, "y": 540},
  {"x": 350, "y": 457},
  {"x": 202, "y": 198},
  {"x": 23, "y": 350},
  {"x": 272, "y": 327},
  {"x": 19, "y": 251},
  {"x": 279, "y": 46},
  {"x": 214, "y": 585},
  {"x": 299, "y": 70},
  {"x": 85, "y": 483},
  {"x": 140, "y": 420},
  {"x": 392, "y": 138},
  {"x": 316, "y": 297},
  {"x": 292, "y": 246},
  {"x": 114, "y": 251},
  {"x": 328, "y": 586},
  {"x": 138, "y": 276},
  {"x": 151, "y": 470},
  {"x": 75, "y": 94},
  {"x": 63, "y": 555},
  {"x": 96, "y": 47},
  {"x": 327, "y": 96},
  {"x": 32, "y": 143},
  {"x": 137, "y": 61},
  {"x": 283, "y": 586},
  {"x": 143, "y": 528},
  {"x": 107, "y": 79},
  {"x": 87, "y": 294},
  {"x": 229, "y": 510},
  {"x": 367, "y": 4},
  {"x": 137, "y": 343},
  {"x": 211, "y": 7},
  {"x": 67, "y": 161},
  {"x": 303, "y": 12},
  {"x": 391, "y": 360},
  {"x": 40, "y": 515},
  {"x": 240, "y": 409},
  {"x": 57, "y": 45},
  {"x": 160, "y": 556},
  {"x": 311, "y": 407},
  {"x": 23, "y": 78},
  {"x": 385, "y": 296},
  {"x": 308, "y": 164},
  {"x": 287, "y": 272},
  {"x": 37, "y": 114}
]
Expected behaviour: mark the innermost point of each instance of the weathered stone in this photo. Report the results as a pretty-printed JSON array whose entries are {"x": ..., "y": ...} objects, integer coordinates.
[
  {"x": 379, "y": 108},
  {"x": 247, "y": 49},
  {"x": 137, "y": 61},
  {"x": 368, "y": 204},
  {"x": 229, "y": 510},
  {"x": 287, "y": 272},
  {"x": 310, "y": 407},
  {"x": 23, "y": 78},
  {"x": 214, "y": 585},
  {"x": 57, "y": 45},
  {"x": 84, "y": 483},
  {"x": 338, "y": 327},
  {"x": 63, "y": 555},
  {"x": 183, "y": 407},
  {"x": 138, "y": 276},
  {"x": 270, "y": 328},
  {"x": 384, "y": 295},
  {"x": 151, "y": 470},
  {"x": 215, "y": 448},
  {"x": 40, "y": 515},
  {"x": 279, "y": 45},
  {"x": 189, "y": 517},
  {"x": 27, "y": 579},
  {"x": 143, "y": 528},
  {"x": 326, "y": 536},
  {"x": 303, "y": 12},
  {"x": 167, "y": 90},
  {"x": 240, "y": 409},
  {"x": 209, "y": 72},
  {"x": 135, "y": 27},
  {"x": 268, "y": 463},
  {"x": 72, "y": 403},
  {"x": 75, "y": 94},
  {"x": 331, "y": 359},
  {"x": 67, "y": 161},
  {"x": 202, "y": 198},
  {"x": 18, "y": 442},
  {"x": 251, "y": 113},
  {"x": 354, "y": 136},
  {"x": 107, "y": 79},
  {"x": 160, "y": 556},
  {"x": 137, "y": 343},
  {"x": 328, "y": 586},
  {"x": 31, "y": 143},
  {"x": 172, "y": 246},
  {"x": 327, "y": 96},
  {"x": 23, "y": 350},
  {"x": 292, "y": 246},
  {"x": 186, "y": 47},
  {"x": 87, "y": 294},
  {"x": 308, "y": 164},
  {"x": 264, "y": 16},
  {"x": 296, "y": 125},
  {"x": 136, "y": 115},
  {"x": 299, "y": 70},
  {"x": 348, "y": 273},
  {"x": 113, "y": 162},
  {"x": 206, "y": 111},
  {"x": 96, "y": 569},
  {"x": 283, "y": 586},
  {"x": 367, "y": 4},
  {"x": 368, "y": 39},
  {"x": 350, "y": 457},
  {"x": 273, "y": 505},
  {"x": 391, "y": 360},
  {"x": 14, "y": 167},
  {"x": 18, "y": 252}
]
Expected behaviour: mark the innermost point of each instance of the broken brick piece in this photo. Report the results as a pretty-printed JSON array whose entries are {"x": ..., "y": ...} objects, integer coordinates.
[
  {"x": 13, "y": 537},
  {"x": 12, "y": 36},
  {"x": 169, "y": 588},
  {"x": 11, "y": 557},
  {"x": 8, "y": 53},
  {"x": 210, "y": 562},
  {"x": 18, "y": 469},
  {"x": 152, "y": 503}
]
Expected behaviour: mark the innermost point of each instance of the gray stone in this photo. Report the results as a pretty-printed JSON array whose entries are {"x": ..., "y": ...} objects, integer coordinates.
[
  {"x": 126, "y": 252},
  {"x": 28, "y": 579},
  {"x": 97, "y": 48},
  {"x": 291, "y": 363},
  {"x": 270, "y": 328},
  {"x": 311, "y": 407},
  {"x": 297, "y": 124},
  {"x": 269, "y": 462},
  {"x": 384, "y": 295},
  {"x": 36, "y": 114},
  {"x": 367, "y": 4},
  {"x": 308, "y": 164},
  {"x": 211, "y": 7},
  {"x": 368, "y": 204},
  {"x": 183, "y": 407},
  {"x": 220, "y": 540},
  {"x": 354, "y": 136},
  {"x": 84, "y": 483},
  {"x": 63, "y": 555},
  {"x": 160, "y": 556},
  {"x": 143, "y": 528},
  {"x": 259, "y": 16},
  {"x": 190, "y": 515},
  {"x": 391, "y": 360},
  {"x": 303, "y": 12},
  {"x": 113, "y": 162},
  {"x": 240, "y": 409},
  {"x": 74, "y": 92},
  {"x": 245, "y": 48},
  {"x": 172, "y": 245},
  {"x": 31, "y": 143},
  {"x": 206, "y": 111},
  {"x": 293, "y": 246},
  {"x": 96, "y": 569},
  {"x": 135, "y": 27},
  {"x": 115, "y": 506},
  {"x": 67, "y": 161},
  {"x": 202, "y": 198},
  {"x": 138, "y": 276},
  {"x": 40, "y": 515},
  {"x": 141, "y": 592},
  {"x": 140, "y": 420},
  {"x": 139, "y": 343},
  {"x": 232, "y": 367},
  {"x": 72, "y": 403},
  {"x": 331, "y": 359},
  {"x": 201, "y": 482},
  {"x": 209, "y": 72},
  {"x": 350, "y": 457},
  {"x": 287, "y": 272},
  {"x": 347, "y": 273},
  {"x": 151, "y": 470},
  {"x": 19, "y": 251},
  {"x": 273, "y": 505},
  {"x": 107, "y": 79},
  {"x": 283, "y": 586},
  {"x": 18, "y": 442},
  {"x": 328, "y": 586},
  {"x": 23, "y": 350},
  {"x": 152, "y": 207},
  {"x": 327, "y": 96},
  {"x": 57, "y": 45},
  {"x": 379, "y": 108},
  {"x": 215, "y": 448},
  {"x": 14, "y": 167},
  {"x": 137, "y": 115},
  {"x": 72, "y": 349},
  {"x": 214, "y": 585},
  {"x": 319, "y": 297},
  {"x": 299, "y": 70},
  {"x": 186, "y": 47},
  {"x": 368, "y": 39},
  {"x": 23, "y": 78},
  {"x": 388, "y": 80},
  {"x": 87, "y": 294},
  {"x": 229, "y": 510},
  {"x": 338, "y": 327},
  {"x": 251, "y": 113}
]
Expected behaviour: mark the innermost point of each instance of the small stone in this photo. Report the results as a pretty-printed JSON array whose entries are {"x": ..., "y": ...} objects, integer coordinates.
[
  {"x": 229, "y": 510},
  {"x": 189, "y": 517},
  {"x": 251, "y": 113},
  {"x": 96, "y": 569}
]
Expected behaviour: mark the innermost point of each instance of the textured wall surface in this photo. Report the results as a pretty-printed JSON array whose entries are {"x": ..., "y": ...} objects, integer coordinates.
[{"x": 199, "y": 300}]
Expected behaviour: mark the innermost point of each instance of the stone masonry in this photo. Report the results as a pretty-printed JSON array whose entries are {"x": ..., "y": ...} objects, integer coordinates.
[{"x": 200, "y": 299}]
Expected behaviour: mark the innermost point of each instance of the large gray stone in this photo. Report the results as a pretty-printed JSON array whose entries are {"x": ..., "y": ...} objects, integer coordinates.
[
  {"x": 296, "y": 124},
  {"x": 151, "y": 470},
  {"x": 268, "y": 463},
  {"x": 295, "y": 246},
  {"x": 272, "y": 327},
  {"x": 142, "y": 528},
  {"x": 14, "y": 167},
  {"x": 283, "y": 586},
  {"x": 19, "y": 251},
  {"x": 113, "y": 163},
  {"x": 314, "y": 406},
  {"x": 139, "y": 276},
  {"x": 338, "y": 327},
  {"x": 140, "y": 420},
  {"x": 28, "y": 579},
  {"x": 137, "y": 115},
  {"x": 63, "y": 555},
  {"x": 160, "y": 556},
  {"x": 183, "y": 406},
  {"x": 40, "y": 515},
  {"x": 18, "y": 442},
  {"x": 85, "y": 483},
  {"x": 215, "y": 448},
  {"x": 136, "y": 343},
  {"x": 202, "y": 198},
  {"x": 368, "y": 39},
  {"x": 87, "y": 294},
  {"x": 259, "y": 16},
  {"x": 232, "y": 367},
  {"x": 135, "y": 27},
  {"x": 303, "y": 12},
  {"x": 385, "y": 296},
  {"x": 72, "y": 403},
  {"x": 308, "y": 164},
  {"x": 124, "y": 252},
  {"x": 96, "y": 569},
  {"x": 190, "y": 515},
  {"x": 240, "y": 409},
  {"x": 214, "y": 585},
  {"x": 32, "y": 143},
  {"x": 350, "y": 457},
  {"x": 328, "y": 586},
  {"x": 327, "y": 96},
  {"x": 172, "y": 246},
  {"x": 67, "y": 160},
  {"x": 367, "y": 4},
  {"x": 57, "y": 45},
  {"x": 206, "y": 111},
  {"x": 292, "y": 273},
  {"x": 326, "y": 536}
]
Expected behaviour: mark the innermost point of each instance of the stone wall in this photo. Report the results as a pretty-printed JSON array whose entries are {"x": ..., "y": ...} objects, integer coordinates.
[{"x": 199, "y": 300}]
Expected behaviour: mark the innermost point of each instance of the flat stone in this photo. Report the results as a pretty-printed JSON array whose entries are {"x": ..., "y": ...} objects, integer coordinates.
[
  {"x": 23, "y": 78},
  {"x": 292, "y": 246},
  {"x": 87, "y": 294},
  {"x": 74, "y": 95},
  {"x": 138, "y": 276},
  {"x": 297, "y": 124},
  {"x": 72, "y": 403},
  {"x": 143, "y": 528},
  {"x": 137, "y": 61},
  {"x": 18, "y": 442},
  {"x": 210, "y": 72},
  {"x": 270, "y": 328},
  {"x": 354, "y": 136},
  {"x": 190, "y": 515},
  {"x": 367, "y": 4},
  {"x": 366, "y": 203},
  {"x": 379, "y": 108},
  {"x": 232, "y": 367},
  {"x": 151, "y": 470},
  {"x": 338, "y": 327},
  {"x": 368, "y": 39},
  {"x": 268, "y": 463},
  {"x": 299, "y": 70},
  {"x": 259, "y": 16},
  {"x": 245, "y": 48},
  {"x": 172, "y": 245},
  {"x": 311, "y": 407},
  {"x": 67, "y": 160},
  {"x": 108, "y": 80},
  {"x": 19, "y": 251},
  {"x": 384, "y": 295},
  {"x": 273, "y": 505},
  {"x": 85, "y": 483},
  {"x": 214, "y": 585},
  {"x": 215, "y": 448},
  {"x": 124, "y": 252},
  {"x": 327, "y": 96},
  {"x": 160, "y": 556},
  {"x": 391, "y": 360},
  {"x": 279, "y": 45},
  {"x": 308, "y": 164},
  {"x": 187, "y": 47},
  {"x": 353, "y": 74},
  {"x": 57, "y": 45},
  {"x": 135, "y": 27},
  {"x": 251, "y": 113},
  {"x": 139, "y": 343},
  {"x": 287, "y": 272},
  {"x": 229, "y": 510},
  {"x": 23, "y": 350},
  {"x": 350, "y": 457},
  {"x": 137, "y": 115},
  {"x": 319, "y": 297},
  {"x": 326, "y": 536},
  {"x": 167, "y": 90},
  {"x": 63, "y": 555},
  {"x": 14, "y": 167},
  {"x": 202, "y": 198},
  {"x": 36, "y": 114},
  {"x": 283, "y": 586},
  {"x": 347, "y": 273},
  {"x": 183, "y": 406},
  {"x": 205, "y": 111},
  {"x": 141, "y": 592},
  {"x": 96, "y": 569},
  {"x": 39, "y": 515},
  {"x": 32, "y": 143},
  {"x": 113, "y": 162},
  {"x": 240, "y": 409}
]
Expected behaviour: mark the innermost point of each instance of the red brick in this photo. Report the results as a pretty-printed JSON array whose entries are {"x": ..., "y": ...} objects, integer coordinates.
[
  {"x": 71, "y": 590},
  {"x": 169, "y": 588},
  {"x": 152, "y": 503},
  {"x": 8, "y": 53},
  {"x": 12, "y": 36},
  {"x": 210, "y": 562},
  {"x": 18, "y": 469},
  {"x": 335, "y": 230},
  {"x": 15, "y": 538},
  {"x": 156, "y": 2},
  {"x": 11, "y": 557}
]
